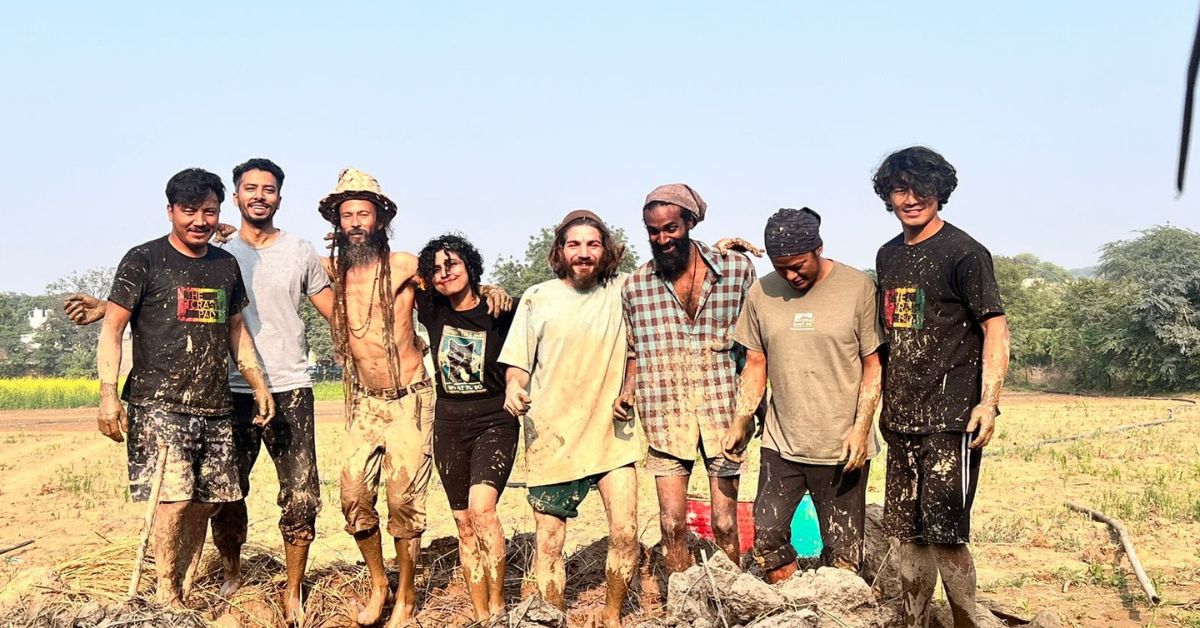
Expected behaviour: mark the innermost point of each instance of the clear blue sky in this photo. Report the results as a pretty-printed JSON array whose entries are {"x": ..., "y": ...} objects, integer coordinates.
[{"x": 494, "y": 119}]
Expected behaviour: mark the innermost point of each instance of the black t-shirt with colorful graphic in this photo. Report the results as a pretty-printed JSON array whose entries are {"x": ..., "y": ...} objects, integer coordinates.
[
  {"x": 934, "y": 295},
  {"x": 465, "y": 347},
  {"x": 180, "y": 309}
]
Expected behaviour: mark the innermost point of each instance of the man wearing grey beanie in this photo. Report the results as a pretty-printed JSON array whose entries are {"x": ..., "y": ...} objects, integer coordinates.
[{"x": 812, "y": 329}]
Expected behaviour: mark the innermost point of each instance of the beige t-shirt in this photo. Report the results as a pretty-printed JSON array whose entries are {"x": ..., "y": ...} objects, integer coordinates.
[
  {"x": 573, "y": 345},
  {"x": 814, "y": 343}
]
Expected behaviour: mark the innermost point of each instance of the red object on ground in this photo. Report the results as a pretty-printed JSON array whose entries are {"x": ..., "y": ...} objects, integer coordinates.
[{"x": 699, "y": 520}]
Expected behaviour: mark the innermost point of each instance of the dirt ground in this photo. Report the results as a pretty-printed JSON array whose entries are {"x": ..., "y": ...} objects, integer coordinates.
[{"x": 63, "y": 485}]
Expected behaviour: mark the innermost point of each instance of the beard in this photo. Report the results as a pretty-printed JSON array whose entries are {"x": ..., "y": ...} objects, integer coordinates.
[
  {"x": 361, "y": 253},
  {"x": 585, "y": 280},
  {"x": 672, "y": 264},
  {"x": 257, "y": 222}
]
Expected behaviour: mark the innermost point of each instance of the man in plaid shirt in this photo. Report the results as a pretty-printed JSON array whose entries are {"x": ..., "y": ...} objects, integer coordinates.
[{"x": 681, "y": 308}]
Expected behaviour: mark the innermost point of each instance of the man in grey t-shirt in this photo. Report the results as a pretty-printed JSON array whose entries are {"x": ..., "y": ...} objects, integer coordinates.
[
  {"x": 278, "y": 270},
  {"x": 819, "y": 317}
]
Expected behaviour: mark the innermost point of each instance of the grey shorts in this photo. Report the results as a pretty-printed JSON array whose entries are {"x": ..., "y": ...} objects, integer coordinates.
[
  {"x": 661, "y": 464},
  {"x": 200, "y": 463}
]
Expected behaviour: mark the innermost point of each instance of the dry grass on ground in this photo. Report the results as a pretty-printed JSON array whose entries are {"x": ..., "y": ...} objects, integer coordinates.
[{"x": 63, "y": 484}]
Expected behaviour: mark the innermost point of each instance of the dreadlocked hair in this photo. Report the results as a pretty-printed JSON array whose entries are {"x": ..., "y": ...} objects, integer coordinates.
[{"x": 340, "y": 325}]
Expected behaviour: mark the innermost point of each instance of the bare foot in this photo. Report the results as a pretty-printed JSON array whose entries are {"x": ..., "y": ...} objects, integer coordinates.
[
  {"x": 400, "y": 615},
  {"x": 293, "y": 609},
  {"x": 369, "y": 614},
  {"x": 611, "y": 621},
  {"x": 231, "y": 586}
]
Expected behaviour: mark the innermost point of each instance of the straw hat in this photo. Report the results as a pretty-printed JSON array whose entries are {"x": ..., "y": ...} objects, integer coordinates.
[{"x": 356, "y": 184}]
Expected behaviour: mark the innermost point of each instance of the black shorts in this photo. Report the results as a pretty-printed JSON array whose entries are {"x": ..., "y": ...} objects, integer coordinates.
[
  {"x": 931, "y": 482},
  {"x": 479, "y": 450}
]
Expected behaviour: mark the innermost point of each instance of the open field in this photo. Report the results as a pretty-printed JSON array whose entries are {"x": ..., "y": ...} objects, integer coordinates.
[{"x": 63, "y": 484}]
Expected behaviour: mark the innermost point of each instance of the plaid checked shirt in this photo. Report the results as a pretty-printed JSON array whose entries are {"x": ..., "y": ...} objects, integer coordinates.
[{"x": 686, "y": 386}]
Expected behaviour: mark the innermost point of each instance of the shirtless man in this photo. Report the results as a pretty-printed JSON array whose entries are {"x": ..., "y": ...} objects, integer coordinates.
[{"x": 389, "y": 396}]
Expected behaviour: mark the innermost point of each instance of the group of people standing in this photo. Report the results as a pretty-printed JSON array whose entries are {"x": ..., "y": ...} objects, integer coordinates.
[{"x": 601, "y": 370}]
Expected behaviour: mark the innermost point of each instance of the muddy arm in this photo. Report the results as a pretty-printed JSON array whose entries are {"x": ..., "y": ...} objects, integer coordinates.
[
  {"x": 241, "y": 347},
  {"x": 750, "y": 391},
  {"x": 112, "y": 419},
  {"x": 995, "y": 368},
  {"x": 854, "y": 450}
]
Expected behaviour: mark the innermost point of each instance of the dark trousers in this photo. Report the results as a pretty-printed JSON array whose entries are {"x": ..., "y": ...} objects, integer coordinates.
[
  {"x": 290, "y": 441},
  {"x": 840, "y": 500}
]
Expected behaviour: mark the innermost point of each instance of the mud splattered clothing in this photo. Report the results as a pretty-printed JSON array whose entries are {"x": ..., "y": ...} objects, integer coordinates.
[
  {"x": 840, "y": 500},
  {"x": 931, "y": 482},
  {"x": 686, "y": 389},
  {"x": 474, "y": 437},
  {"x": 200, "y": 462},
  {"x": 572, "y": 342},
  {"x": 292, "y": 447},
  {"x": 180, "y": 309},
  {"x": 934, "y": 295},
  {"x": 562, "y": 500},
  {"x": 661, "y": 465},
  {"x": 814, "y": 342},
  {"x": 389, "y": 437}
]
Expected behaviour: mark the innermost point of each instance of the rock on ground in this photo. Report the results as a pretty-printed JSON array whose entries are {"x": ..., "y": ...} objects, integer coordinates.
[{"x": 536, "y": 612}]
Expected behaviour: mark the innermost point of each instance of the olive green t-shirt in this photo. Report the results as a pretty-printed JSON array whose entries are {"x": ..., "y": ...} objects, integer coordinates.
[{"x": 814, "y": 342}]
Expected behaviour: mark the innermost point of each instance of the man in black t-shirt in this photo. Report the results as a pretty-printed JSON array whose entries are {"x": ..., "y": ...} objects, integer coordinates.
[
  {"x": 184, "y": 300},
  {"x": 945, "y": 364}
]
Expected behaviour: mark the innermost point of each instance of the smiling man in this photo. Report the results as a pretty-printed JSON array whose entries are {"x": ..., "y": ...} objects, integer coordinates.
[
  {"x": 811, "y": 329},
  {"x": 185, "y": 301},
  {"x": 566, "y": 361},
  {"x": 947, "y": 356},
  {"x": 681, "y": 308}
]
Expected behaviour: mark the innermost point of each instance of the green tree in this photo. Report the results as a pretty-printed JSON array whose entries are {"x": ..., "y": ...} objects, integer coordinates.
[
  {"x": 516, "y": 275},
  {"x": 14, "y": 323},
  {"x": 61, "y": 347},
  {"x": 316, "y": 332},
  {"x": 1093, "y": 336},
  {"x": 1032, "y": 292}
]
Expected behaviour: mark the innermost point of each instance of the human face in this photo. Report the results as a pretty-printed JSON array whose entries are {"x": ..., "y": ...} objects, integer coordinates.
[
  {"x": 914, "y": 212},
  {"x": 582, "y": 249},
  {"x": 450, "y": 277},
  {"x": 358, "y": 220},
  {"x": 801, "y": 271},
  {"x": 193, "y": 226},
  {"x": 670, "y": 242},
  {"x": 257, "y": 197}
]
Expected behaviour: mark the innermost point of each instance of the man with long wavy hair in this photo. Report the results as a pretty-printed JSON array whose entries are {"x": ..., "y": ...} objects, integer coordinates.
[{"x": 566, "y": 361}]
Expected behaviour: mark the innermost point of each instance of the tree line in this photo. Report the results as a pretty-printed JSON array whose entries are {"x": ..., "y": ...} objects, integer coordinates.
[{"x": 1131, "y": 325}]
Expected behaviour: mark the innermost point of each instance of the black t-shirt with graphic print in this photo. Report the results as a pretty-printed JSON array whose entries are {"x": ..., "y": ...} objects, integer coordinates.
[
  {"x": 466, "y": 345},
  {"x": 934, "y": 296},
  {"x": 180, "y": 309}
]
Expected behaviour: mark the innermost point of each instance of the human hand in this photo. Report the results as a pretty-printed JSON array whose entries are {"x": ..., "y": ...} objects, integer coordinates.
[
  {"x": 83, "y": 309},
  {"x": 983, "y": 419},
  {"x": 498, "y": 300},
  {"x": 264, "y": 404},
  {"x": 223, "y": 232},
  {"x": 112, "y": 419},
  {"x": 854, "y": 448},
  {"x": 739, "y": 245},
  {"x": 516, "y": 401},
  {"x": 735, "y": 441},
  {"x": 623, "y": 407}
]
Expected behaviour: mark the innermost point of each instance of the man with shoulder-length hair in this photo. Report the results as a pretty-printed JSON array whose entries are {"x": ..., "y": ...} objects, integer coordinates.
[
  {"x": 184, "y": 300},
  {"x": 566, "y": 361},
  {"x": 946, "y": 359}
]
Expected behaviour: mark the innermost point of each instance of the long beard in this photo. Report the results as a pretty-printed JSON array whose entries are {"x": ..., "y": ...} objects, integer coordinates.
[
  {"x": 672, "y": 265},
  {"x": 362, "y": 253}
]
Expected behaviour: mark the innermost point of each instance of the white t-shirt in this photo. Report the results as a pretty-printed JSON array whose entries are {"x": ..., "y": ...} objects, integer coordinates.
[{"x": 277, "y": 276}]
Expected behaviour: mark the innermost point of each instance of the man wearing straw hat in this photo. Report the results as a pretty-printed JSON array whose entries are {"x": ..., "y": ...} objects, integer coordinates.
[
  {"x": 811, "y": 328},
  {"x": 681, "y": 308},
  {"x": 565, "y": 353},
  {"x": 184, "y": 300},
  {"x": 389, "y": 396}
]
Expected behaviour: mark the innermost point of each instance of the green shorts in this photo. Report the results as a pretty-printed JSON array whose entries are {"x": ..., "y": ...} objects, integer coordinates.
[{"x": 562, "y": 500}]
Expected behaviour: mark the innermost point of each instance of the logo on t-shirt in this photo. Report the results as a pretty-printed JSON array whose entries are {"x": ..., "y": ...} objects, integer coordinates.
[
  {"x": 904, "y": 308},
  {"x": 202, "y": 305},
  {"x": 460, "y": 360},
  {"x": 803, "y": 321}
]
